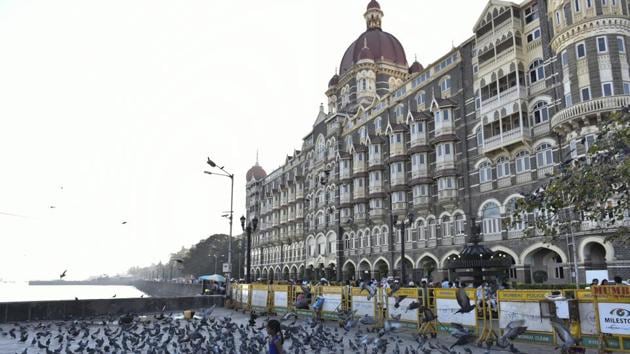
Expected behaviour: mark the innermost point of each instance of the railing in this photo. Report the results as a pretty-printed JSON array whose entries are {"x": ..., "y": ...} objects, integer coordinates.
[
  {"x": 502, "y": 98},
  {"x": 508, "y": 137},
  {"x": 445, "y": 128},
  {"x": 589, "y": 107},
  {"x": 421, "y": 200},
  {"x": 444, "y": 164},
  {"x": 376, "y": 188},
  {"x": 396, "y": 149},
  {"x": 395, "y": 180},
  {"x": 418, "y": 139},
  {"x": 447, "y": 194},
  {"x": 419, "y": 173},
  {"x": 358, "y": 167},
  {"x": 359, "y": 193},
  {"x": 377, "y": 212},
  {"x": 375, "y": 160}
]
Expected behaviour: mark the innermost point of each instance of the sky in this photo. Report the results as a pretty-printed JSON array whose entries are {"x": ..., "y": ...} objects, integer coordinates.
[{"x": 109, "y": 109}]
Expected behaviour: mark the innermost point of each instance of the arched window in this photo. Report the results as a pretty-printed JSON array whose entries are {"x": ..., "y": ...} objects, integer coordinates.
[
  {"x": 378, "y": 124},
  {"x": 544, "y": 155},
  {"x": 491, "y": 216},
  {"x": 503, "y": 167},
  {"x": 421, "y": 99},
  {"x": 445, "y": 84},
  {"x": 540, "y": 112},
  {"x": 479, "y": 135},
  {"x": 446, "y": 226},
  {"x": 536, "y": 71},
  {"x": 485, "y": 172},
  {"x": 522, "y": 162},
  {"x": 348, "y": 245},
  {"x": 510, "y": 208}
]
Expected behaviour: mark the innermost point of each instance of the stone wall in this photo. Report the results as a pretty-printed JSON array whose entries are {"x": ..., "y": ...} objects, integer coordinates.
[
  {"x": 160, "y": 289},
  {"x": 77, "y": 309}
]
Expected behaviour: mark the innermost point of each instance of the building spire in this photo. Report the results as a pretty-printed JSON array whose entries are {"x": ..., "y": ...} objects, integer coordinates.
[
  {"x": 256, "y": 157},
  {"x": 373, "y": 15}
]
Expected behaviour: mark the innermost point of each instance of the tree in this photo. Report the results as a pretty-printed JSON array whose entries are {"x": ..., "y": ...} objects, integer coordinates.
[{"x": 593, "y": 187}]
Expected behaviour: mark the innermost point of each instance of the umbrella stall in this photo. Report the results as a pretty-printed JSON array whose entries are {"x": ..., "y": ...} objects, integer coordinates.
[{"x": 212, "y": 284}]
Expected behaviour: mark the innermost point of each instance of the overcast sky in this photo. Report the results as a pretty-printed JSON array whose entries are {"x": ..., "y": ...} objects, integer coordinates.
[{"x": 108, "y": 110}]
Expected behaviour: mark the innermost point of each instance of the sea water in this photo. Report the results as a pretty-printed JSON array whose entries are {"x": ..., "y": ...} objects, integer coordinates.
[{"x": 10, "y": 292}]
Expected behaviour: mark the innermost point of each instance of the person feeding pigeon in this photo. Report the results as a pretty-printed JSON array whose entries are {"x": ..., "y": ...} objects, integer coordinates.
[{"x": 276, "y": 338}]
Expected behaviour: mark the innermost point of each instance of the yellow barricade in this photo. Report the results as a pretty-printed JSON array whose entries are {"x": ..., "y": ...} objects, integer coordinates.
[
  {"x": 260, "y": 297},
  {"x": 446, "y": 309},
  {"x": 612, "y": 305},
  {"x": 526, "y": 305},
  {"x": 297, "y": 290},
  {"x": 333, "y": 298},
  {"x": 280, "y": 298},
  {"x": 362, "y": 304},
  {"x": 245, "y": 297},
  {"x": 396, "y": 306}
]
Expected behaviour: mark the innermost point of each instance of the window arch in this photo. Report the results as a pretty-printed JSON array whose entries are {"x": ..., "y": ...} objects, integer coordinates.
[
  {"x": 544, "y": 155},
  {"x": 485, "y": 172},
  {"x": 491, "y": 217},
  {"x": 503, "y": 167},
  {"x": 445, "y": 84},
  {"x": 536, "y": 71},
  {"x": 421, "y": 99},
  {"x": 320, "y": 147},
  {"x": 510, "y": 208},
  {"x": 540, "y": 112},
  {"x": 522, "y": 162}
]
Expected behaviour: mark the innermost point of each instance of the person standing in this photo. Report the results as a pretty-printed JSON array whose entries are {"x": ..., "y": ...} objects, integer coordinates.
[{"x": 276, "y": 339}]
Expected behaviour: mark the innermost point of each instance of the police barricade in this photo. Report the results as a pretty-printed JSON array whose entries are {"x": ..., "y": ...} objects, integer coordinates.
[
  {"x": 612, "y": 304},
  {"x": 260, "y": 297},
  {"x": 587, "y": 320},
  {"x": 397, "y": 304},
  {"x": 333, "y": 297},
  {"x": 446, "y": 307},
  {"x": 235, "y": 294},
  {"x": 245, "y": 300},
  {"x": 526, "y": 305},
  {"x": 362, "y": 303},
  {"x": 305, "y": 300},
  {"x": 280, "y": 298}
]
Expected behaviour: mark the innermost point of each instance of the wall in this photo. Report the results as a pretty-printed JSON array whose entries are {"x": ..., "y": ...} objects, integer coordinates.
[{"x": 70, "y": 309}]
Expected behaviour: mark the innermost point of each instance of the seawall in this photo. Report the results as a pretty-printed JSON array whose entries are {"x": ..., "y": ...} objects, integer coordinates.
[
  {"x": 77, "y": 309},
  {"x": 151, "y": 288}
]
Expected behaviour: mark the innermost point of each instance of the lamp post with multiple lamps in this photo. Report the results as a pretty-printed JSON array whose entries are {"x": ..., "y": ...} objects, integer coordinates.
[
  {"x": 403, "y": 223},
  {"x": 224, "y": 173},
  {"x": 251, "y": 227}
]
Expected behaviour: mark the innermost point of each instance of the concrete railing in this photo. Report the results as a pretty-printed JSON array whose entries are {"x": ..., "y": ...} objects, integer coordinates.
[
  {"x": 76, "y": 309},
  {"x": 590, "y": 107}
]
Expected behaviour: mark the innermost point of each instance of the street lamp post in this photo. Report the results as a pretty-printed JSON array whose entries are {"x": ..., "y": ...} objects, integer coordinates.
[
  {"x": 224, "y": 173},
  {"x": 403, "y": 223},
  {"x": 251, "y": 226}
]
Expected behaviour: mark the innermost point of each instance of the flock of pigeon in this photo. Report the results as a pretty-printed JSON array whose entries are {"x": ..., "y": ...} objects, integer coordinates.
[{"x": 205, "y": 333}]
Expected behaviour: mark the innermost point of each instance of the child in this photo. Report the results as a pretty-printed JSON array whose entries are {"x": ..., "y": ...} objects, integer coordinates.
[{"x": 277, "y": 339}]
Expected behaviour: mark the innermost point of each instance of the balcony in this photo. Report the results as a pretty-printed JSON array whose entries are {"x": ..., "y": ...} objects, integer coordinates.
[
  {"x": 344, "y": 173},
  {"x": 397, "y": 179},
  {"x": 377, "y": 212},
  {"x": 447, "y": 195},
  {"x": 502, "y": 98},
  {"x": 358, "y": 166},
  {"x": 418, "y": 173},
  {"x": 376, "y": 188},
  {"x": 444, "y": 165},
  {"x": 291, "y": 198},
  {"x": 375, "y": 160},
  {"x": 418, "y": 140},
  {"x": 344, "y": 198},
  {"x": 396, "y": 149},
  {"x": 421, "y": 201},
  {"x": 509, "y": 137},
  {"x": 399, "y": 206},
  {"x": 359, "y": 193},
  {"x": 564, "y": 118},
  {"x": 445, "y": 128}
]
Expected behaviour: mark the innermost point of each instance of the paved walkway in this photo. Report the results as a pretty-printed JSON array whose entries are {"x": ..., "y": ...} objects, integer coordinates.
[{"x": 404, "y": 338}]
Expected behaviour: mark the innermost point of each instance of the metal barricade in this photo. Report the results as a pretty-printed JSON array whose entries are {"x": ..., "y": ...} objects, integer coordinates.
[{"x": 280, "y": 298}]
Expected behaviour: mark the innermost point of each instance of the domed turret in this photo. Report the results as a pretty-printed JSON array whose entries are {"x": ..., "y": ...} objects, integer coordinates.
[
  {"x": 333, "y": 81},
  {"x": 381, "y": 45},
  {"x": 256, "y": 172},
  {"x": 416, "y": 67}
]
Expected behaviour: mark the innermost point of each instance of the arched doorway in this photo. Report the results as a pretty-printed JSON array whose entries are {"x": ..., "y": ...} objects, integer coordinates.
[
  {"x": 408, "y": 270},
  {"x": 349, "y": 271},
  {"x": 545, "y": 266},
  {"x": 510, "y": 273},
  {"x": 331, "y": 272},
  {"x": 365, "y": 269},
  {"x": 594, "y": 256},
  {"x": 381, "y": 269},
  {"x": 285, "y": 273},
  {"x": 264, "y": 274},
  {"x": 309, "y": 273},
  {"x": 293, "y": 273},
  {"x": 270, "y": 274},
  {"x": 301, "y": 272},
  {"x": 452, "y": 275},
  {"x": 428, "y": 266}
]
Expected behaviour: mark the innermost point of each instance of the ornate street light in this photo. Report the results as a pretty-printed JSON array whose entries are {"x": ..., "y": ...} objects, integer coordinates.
[
  {"x": 405, "y": 222},
  {"x": 251, "y": 227}
]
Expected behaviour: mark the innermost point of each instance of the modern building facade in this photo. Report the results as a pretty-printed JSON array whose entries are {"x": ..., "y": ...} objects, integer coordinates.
[{"x": 436, "y": 146}]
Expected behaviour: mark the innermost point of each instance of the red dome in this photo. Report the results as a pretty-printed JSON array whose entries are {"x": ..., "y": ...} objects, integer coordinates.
[
  {"x": 373, "y": 5},
  {"x": 366, "y": 53},
  {"x": 382, "y": 45},
  {"x": 255, "y": 172},
  {"x": 415, "y": 67}
]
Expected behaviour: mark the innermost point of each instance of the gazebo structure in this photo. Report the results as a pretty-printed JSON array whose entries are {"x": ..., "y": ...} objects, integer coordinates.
[{"x": 477, "y": 262}]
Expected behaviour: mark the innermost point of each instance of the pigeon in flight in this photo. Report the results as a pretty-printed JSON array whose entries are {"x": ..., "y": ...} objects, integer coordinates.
[
  {"x": 124, "y": 222},
  {"x": 62, "y": 275},
  {"x": 464, "y": 301}
]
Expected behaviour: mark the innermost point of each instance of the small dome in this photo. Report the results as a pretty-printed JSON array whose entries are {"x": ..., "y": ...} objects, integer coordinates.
[
  {"x": 415, "y": 67},
  {"x": 373, "y": 5},
  {"x": 256, "y": 172},
  {"x": 333, "y": 81},
  {"x": 366, "y": 54}
]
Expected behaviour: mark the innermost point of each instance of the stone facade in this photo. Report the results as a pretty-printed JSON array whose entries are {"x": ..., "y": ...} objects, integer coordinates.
[{"x": 433, "y": 147}]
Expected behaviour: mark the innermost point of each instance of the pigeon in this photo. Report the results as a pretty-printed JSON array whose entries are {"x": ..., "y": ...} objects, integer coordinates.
[
  {"x": 512, "y": 331},
  {"x": 563, "y": 333},
  {"x": 124, "y": 222},
  {"x": 371, "y": 291},
  {"x": 464, "y": 301},
  {"x": 463, "y": 335},
  {"x": 62, "y": 275},
  {"x": 412, "y": 306},
  {"x": 367, "y": 320},
  {"x": 399, "y": 299}
]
